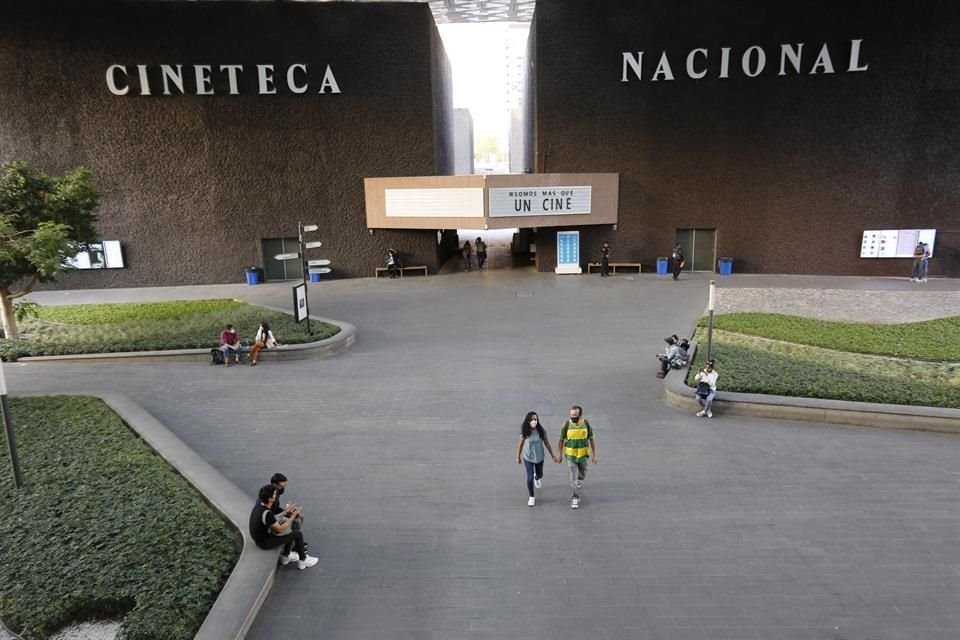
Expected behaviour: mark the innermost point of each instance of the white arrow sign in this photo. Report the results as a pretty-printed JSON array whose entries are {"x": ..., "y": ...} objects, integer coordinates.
[
  {"x": 320, "y": 270},
  {"x": 318, "y": 263},
  {"x": 286, "y": 256},
  {"x": 312, "y": 245}
]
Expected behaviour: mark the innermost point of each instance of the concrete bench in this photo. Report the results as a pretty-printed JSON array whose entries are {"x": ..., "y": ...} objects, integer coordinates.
[
  {"x": 613, "y": 266},
  {"x": 416, "y": 267}
]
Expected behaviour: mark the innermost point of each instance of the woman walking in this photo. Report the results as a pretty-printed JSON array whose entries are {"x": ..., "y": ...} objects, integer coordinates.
[
  {"x": 468, "y": 255},
  {"x": 533, "y": 438}
]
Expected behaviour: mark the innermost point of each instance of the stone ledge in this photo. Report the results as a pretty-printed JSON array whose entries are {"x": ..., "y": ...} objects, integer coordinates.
[
  {"x": 865, "y": 414},
  {"x": 308, "y": 350},
  {"x": 252, "y": 577}
]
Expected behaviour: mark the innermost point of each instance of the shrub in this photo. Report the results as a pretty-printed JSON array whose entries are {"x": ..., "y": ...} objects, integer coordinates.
[
  {"x": 752, "y": 365},
  {"x": 112, "y": 328},
  {"x": 103, "y": 528},
  {"x": 930, "y": 340}
]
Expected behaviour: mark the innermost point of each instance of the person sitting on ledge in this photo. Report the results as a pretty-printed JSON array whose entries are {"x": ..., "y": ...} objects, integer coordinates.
[
  {"x": 270, "y": 530},
  {"x": 264, "y": 340},
  {"x": 230, "y": 342},
  {"x": 666, "y": 358}
]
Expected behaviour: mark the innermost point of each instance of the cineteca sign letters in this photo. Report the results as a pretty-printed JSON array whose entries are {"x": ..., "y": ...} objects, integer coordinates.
[{"x": 224, "y": 79}]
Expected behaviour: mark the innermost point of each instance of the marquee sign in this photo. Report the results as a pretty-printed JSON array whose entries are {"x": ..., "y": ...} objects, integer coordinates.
[{"x": 539, "y": 201}]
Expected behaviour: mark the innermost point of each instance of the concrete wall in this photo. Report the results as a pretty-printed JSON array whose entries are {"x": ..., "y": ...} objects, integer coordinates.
[
  {"x": 192, "y": 183},
  {"x": 463, "y": 142},
  {"x": 789, "y": 169}
]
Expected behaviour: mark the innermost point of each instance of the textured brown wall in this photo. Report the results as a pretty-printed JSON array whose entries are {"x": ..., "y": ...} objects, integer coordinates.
[
  {"x": 192, "y": 183},
  {"x": 789, "y": 170}
]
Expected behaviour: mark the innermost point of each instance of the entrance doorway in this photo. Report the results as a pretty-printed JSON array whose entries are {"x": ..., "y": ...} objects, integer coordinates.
[
  {"x": 699, "y": 248},
  {"x": 281, "y": 269},
  {"x": 504, "y": 247}
]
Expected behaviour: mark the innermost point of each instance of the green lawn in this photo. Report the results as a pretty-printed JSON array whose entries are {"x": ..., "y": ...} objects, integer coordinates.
[
  {"x": 781, "y": 358},
  {"x": 103, "y": 528},
  {"x": 935, "y": 340},
  {"x": 181, "y": 324}
]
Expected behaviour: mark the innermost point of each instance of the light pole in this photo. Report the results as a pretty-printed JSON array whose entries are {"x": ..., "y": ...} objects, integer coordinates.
[
  {"x": 710, "y": 303},
  {"x": 8, "y": 430}
]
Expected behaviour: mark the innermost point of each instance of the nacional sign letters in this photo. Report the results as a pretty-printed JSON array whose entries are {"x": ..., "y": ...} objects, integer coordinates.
[{"x": 752, "y": 61}]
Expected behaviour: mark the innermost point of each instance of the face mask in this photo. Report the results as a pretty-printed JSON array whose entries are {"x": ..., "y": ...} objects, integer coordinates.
[{"x": 574, "y": 419}]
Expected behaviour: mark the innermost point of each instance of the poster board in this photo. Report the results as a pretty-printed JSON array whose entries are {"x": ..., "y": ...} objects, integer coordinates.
[
  {"x": 895, "y": 243},
  {"x": 300, "y": 310},
  {"x": 568, "y": 252}
]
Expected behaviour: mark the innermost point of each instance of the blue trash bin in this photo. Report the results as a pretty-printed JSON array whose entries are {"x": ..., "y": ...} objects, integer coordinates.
[
  {"x": 662, "y": 266},
  {"x": 314, "y": 277},
  {"x": 726, "y": 266},
  {"x": 253, "y": 275}
]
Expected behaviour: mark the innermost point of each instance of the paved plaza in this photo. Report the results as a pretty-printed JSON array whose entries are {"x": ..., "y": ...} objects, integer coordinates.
[{"x": 402, "y": 451}]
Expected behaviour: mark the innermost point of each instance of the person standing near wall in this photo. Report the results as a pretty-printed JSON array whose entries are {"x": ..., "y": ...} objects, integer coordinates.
[
  {"x": 481, "y": 248},
  {"x": 467, "y": 256},
  {"x": 917, "y": 262},
  {"x": 678, "y": 260},
  {"x": 605, "y": 260},
  {"x": 924, "y": 262}
]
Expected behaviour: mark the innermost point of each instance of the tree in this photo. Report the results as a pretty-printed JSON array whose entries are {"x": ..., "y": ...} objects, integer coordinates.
[{"x": 43, "y": 221}]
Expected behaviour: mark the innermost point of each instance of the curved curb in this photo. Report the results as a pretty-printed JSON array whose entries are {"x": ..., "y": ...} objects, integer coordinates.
[
  {"x": 252, "y": 577},
  {"x": 325, "y": 348},
  {"x": 865, "y": 414}
]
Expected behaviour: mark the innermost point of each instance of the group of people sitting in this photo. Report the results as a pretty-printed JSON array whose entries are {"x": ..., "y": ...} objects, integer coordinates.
[
  {"x": 231, "y": 347},
  {"x": 677, "y": 356},
  {"x": 272, "y": 525}
]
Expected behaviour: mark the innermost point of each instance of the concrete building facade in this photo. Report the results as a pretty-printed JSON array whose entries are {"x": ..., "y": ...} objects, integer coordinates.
[{"x": 214, "y": 128}]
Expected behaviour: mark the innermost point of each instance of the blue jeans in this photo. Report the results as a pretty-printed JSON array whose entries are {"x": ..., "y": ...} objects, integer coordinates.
[
  {"x": 534, "y": 470},
  {"x": 236, "y": 350},
  {"x": 708, "y": 401},
  {"x": 469, "y": 260}
]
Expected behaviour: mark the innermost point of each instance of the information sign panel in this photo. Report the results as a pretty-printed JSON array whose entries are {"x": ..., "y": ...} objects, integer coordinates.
[{"x": 568, "y": 252}]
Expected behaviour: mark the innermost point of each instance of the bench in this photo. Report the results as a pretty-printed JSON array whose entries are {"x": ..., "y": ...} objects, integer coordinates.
[
  {"x": 416, "y": 267},
  {"x": 613, "y": 266}
]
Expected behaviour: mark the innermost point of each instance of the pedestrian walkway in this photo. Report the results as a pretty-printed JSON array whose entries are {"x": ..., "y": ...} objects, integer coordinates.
[{"x": 402, "y": 451}]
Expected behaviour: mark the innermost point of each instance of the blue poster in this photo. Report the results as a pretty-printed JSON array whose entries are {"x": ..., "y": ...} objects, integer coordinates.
[{"x": 568, "y": 252}]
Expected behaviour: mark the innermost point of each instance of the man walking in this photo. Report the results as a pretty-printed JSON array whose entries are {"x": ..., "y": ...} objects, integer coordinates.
[
  {"x": 605, "y": 260},
  {"x": 574, "y": 436}
]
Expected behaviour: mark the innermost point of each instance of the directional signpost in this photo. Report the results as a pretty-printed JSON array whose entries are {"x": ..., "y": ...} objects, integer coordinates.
[{"x": 308, "y": 267}]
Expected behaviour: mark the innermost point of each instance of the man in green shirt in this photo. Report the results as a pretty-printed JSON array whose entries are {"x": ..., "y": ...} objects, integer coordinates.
[{"x": 574, "y": 436}]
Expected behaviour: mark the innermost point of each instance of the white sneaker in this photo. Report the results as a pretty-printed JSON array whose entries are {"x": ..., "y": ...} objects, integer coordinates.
[
  {"x": 924, "y": 280},
  {"x": 700, "y": 414},
  {"x": 709, "y": 414},
  {"x": 579, "y": 483},
  {"x": 309, "y": 561},
  {"x": 531, "y": 501},
  {"x": 536, "y": 482},
  {"x": 287, "y": 559},
  {"x": 574, "y": 503}
]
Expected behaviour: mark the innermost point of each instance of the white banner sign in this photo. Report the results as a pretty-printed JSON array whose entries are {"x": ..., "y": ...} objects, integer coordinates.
[
  {"x": 539, "y": 201},
  {"x": 466, "y": 202},
  {"x": 895, "y": 243}
]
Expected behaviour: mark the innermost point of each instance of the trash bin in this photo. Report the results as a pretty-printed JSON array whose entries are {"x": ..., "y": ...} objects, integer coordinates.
[
  {"x": 253, "y": 275},
  {"x": 314, "y": 277},
  {"x": 662, "y": 266},
  {"x": 726, "y": 266}
]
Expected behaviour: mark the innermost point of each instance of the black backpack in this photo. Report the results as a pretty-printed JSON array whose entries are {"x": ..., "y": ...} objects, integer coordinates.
[{"x": 216, "y": 356}]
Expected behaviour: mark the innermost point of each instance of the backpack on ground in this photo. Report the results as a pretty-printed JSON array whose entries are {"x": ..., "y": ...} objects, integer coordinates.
[{"x": 216, "y": 356}]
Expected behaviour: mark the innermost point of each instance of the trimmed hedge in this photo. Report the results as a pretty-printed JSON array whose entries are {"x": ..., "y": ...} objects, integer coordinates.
[
  {"x": 934, "y": 340},
  {"x": 103, "y": 528},
  {"x": 154, "y": 326},
  {"x": 753, "y": 365}
]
